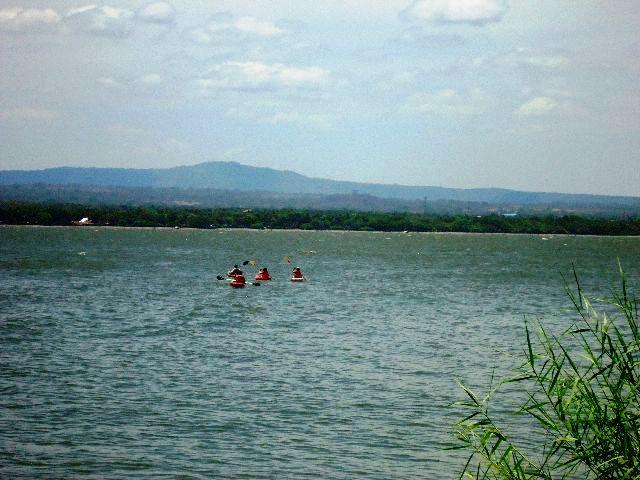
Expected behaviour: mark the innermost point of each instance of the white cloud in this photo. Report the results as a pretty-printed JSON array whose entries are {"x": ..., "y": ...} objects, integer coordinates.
[
  {"x": 19, "y": 19},
  {"x": 106, "y": 21},
  {"x": 287, "y": 75},
  {"x": 225, "y": 28},
  {"x": 158, "y": 12},
  {"x": 112, "y": 21},
  {"x": 476, "y": 12},
  {"x": 262, "y": 76},
  {"x": 109, "y": 82},
  {"x": 537, "y": 106},
  {"x": 147, "y": 80},
  {"x": 447, "y": 102},
  {"x": 404, "y": 78},
  {"x": 276, "y": 113},
  {"x": 234, "y": 152},
  {"x": 527, "y": 58},
  {"x": 26, "y": 114},
  {"x": 175, "y": 145},
  {"x": 257, "y": 27},
  {"x": 150, "y": 79},
  {"x": 295, "y": 118},
  {"x": 547, "y": 61},
  {"x": 199, "y": 35},
  {"x": 126, "y": 130},
  {"x": 79, "y": 10},
  {"x": 251, "y": 110}
]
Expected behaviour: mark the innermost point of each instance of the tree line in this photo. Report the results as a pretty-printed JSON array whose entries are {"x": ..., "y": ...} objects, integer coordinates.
[
  {"x": 211, "y": 198},
  {"x": 24, "y": 213}
]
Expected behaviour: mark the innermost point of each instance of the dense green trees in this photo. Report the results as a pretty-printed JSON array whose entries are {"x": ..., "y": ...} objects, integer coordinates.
[{"x": 20, "y": 213}]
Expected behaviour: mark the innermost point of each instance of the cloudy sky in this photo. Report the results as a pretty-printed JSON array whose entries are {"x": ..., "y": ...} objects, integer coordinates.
[{"x": 531, "y": 95}]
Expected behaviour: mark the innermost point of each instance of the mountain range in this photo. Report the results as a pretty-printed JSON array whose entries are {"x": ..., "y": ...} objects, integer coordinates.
[{"x": 236, "y": 177}]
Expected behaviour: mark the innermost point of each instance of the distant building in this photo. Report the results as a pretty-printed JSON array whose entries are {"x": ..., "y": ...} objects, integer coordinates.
[{"x": 83, "y": 221}]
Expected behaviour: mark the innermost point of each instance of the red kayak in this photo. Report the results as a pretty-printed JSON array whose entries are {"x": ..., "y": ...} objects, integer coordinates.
[
  {"x": 262, "y": 277},
  {"x": 238, "y": 281},
  {"x": 297, "y": 279}
]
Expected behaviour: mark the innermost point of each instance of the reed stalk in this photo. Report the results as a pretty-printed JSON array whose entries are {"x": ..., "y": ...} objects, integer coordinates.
[{"x": 582, "y": 401}]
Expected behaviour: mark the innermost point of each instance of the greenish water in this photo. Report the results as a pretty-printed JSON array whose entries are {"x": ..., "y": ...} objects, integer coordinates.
[{"x": 122, "y": 356}]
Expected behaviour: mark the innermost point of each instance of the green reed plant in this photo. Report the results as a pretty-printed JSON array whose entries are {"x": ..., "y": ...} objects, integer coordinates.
[{"x": 582, "y": 400}]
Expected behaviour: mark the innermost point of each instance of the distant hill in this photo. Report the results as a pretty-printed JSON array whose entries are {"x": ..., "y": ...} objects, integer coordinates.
[{"x": 243, "y": 178}]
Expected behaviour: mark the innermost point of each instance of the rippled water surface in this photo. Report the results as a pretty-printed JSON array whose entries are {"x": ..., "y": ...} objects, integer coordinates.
[{"x": 122, "y": 356}]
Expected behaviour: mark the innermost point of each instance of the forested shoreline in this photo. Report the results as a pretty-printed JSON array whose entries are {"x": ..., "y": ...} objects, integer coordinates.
[{"x": 25, "y": 213}]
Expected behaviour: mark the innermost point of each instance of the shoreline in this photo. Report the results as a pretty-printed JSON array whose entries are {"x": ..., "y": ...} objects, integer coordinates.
[
  {"x": 307, "y": 220},
  {"x": 408, "y": 233}
]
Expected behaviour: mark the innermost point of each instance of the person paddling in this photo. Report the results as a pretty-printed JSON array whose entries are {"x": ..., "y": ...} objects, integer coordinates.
[
  {"x": 296, "y": 275},
  {"x": 234, "y": 272},
  {"x": 263, "y": 274}
]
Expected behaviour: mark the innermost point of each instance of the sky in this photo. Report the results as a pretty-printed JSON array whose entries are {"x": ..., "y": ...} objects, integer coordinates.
[{"x": 528, "y": 95}]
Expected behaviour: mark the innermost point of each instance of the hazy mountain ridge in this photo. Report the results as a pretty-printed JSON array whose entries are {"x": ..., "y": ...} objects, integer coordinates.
[
  {"x": 244, "y": 178},
  {"x": 206, "y": 198}
]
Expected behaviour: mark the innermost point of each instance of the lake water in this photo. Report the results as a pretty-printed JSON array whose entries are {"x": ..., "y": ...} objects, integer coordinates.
[{"x": 122, "y": 356}]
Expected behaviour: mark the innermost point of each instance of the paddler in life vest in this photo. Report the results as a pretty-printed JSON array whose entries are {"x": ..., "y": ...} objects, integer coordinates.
[
  {"x": 238, "y": 281},
  {"x": 235, "y": 271},
  {"x": 263, "y": 274},
  {"x": 296, "y": 275}
]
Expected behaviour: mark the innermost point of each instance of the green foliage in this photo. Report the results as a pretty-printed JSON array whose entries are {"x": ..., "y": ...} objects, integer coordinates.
[
  {"x": 583, "y": 400},
  {"x": 19, "y": 213}
]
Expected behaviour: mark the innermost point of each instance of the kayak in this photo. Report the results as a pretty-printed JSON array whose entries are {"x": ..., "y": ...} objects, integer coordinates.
[
  {"x": 238, "y": 281},
  {"x": 262, "y": 278},
  {"x": 294, "y": 279}
]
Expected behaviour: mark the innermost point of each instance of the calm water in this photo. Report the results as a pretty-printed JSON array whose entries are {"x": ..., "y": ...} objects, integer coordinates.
[{"x": 122, "y": 357}]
